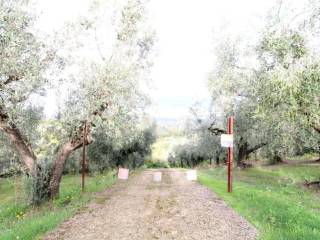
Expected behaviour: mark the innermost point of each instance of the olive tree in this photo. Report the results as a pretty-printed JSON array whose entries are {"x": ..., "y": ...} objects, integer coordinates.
[
  {"x": 231, "y": 89},
  {"x": 108, "y": 91},
  {"x": 23, "y": 61},
  {"x": 288, "y": 89}
]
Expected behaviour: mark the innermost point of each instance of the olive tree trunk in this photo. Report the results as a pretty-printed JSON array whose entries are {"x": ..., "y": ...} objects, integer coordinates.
[
  {"x": 46, "y": 182},
  {"x": 58, "y": 166},
  {"x": 244, "y": 152},
  {"x": 22, "y": 146}
]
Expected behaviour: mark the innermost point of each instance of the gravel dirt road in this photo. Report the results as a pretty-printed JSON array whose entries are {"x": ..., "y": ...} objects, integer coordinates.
[{"x": 142, "y": 209}]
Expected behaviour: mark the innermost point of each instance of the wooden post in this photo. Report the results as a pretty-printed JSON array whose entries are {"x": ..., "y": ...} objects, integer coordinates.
[
  {"x": 230, "y": 154},
  {"x": 84, "y": 154}
]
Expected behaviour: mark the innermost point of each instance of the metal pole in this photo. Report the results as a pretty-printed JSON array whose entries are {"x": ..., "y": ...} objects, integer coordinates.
[
  {"x": 230, "y": 154},
  {"x": 84, "y": 153}
]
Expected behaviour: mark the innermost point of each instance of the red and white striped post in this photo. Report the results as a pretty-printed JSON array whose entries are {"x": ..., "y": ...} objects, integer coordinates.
[{"x": 230, "y": 153}]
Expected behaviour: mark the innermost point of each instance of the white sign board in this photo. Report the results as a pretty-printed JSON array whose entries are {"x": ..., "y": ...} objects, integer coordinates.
[
  {"x": 157, "y": 176},
  {"x": 123, "y": 173},
  {"x": 226, "y": 140},
  {"x": 192, "y": 175}
]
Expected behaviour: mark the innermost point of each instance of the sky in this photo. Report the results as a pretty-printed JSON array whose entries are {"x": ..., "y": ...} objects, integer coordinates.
[{"x": 186, "y": 32}]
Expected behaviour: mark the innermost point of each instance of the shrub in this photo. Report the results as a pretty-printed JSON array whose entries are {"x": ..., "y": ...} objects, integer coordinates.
[{"x": 157, "y": 164}]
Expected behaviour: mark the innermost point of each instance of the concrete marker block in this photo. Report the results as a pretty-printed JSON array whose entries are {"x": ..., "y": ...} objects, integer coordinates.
[
  {"x": 157, "y": 176},
  {"x": 123, "y": 173},
  {"x": 192, "y": 175}
]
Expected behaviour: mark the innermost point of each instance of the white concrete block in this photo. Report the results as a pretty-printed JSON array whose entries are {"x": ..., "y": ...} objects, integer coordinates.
[
  {"x": 157, "y": 176},
  {"x": 192, "y": 175},
  {"x": 123, "y": 173}
]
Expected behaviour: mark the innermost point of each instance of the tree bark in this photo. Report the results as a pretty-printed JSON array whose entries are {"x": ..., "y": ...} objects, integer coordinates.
[
  {"x": 21, "y": 145},
  {"x": 64, "y": 153},
  {"x": 277, "y": 158},
  {"x": 245, "y": 151},
  {"x": 217, "y": 158},
  {"x": 86, "y": 164},
  {"x": 58, "y": 166},
  {"x": 316, "y": 128},
  {"x": 242, "y": 154}
]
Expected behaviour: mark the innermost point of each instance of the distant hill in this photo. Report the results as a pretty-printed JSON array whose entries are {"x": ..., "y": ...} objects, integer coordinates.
[{"x": 166, "y": 121}]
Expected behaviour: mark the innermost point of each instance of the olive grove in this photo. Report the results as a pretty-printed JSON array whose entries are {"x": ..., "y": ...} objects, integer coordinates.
[
  {"x": 105, "y": 93},
  {"x": 271, "y": 85}
]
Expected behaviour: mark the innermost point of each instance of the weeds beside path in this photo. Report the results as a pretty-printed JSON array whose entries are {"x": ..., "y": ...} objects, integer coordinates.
[{"x": 18, "y": 220}]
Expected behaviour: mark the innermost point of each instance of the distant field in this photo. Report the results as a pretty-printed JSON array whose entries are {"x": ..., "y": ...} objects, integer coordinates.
[
  {"x": 20, "y": 221},
  {"x": 165, "y": 145},
  {"x": 273, "y": 199}
]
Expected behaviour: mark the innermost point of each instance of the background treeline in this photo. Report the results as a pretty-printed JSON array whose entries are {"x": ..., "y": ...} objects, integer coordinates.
[{"x": 103, "y": 154}]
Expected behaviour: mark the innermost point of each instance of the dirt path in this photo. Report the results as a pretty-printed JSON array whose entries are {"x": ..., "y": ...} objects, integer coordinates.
[{"x": 141, "y": 209}]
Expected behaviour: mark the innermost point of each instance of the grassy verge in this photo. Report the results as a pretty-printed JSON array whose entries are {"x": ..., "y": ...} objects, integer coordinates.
[
  {"x": 20, "y": 221},
  {"x": 273, "y": 199}
]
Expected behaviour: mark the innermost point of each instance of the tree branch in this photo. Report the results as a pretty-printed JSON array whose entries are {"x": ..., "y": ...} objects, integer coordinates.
[
  {"x": 255, "y": 148},
  {"x": 316, "y": 128},
  {"x": 12, "y": 78},
  {"x": 101, "y": 109}
]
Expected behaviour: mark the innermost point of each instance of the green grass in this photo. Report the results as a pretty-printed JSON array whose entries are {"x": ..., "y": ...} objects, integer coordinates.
[
  {"x": 273, "y": 199},
  {"x": 21, "y": 221}
]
